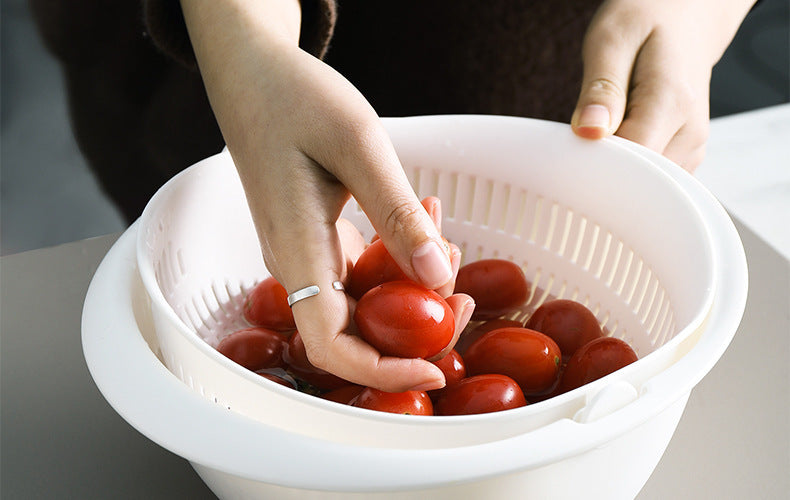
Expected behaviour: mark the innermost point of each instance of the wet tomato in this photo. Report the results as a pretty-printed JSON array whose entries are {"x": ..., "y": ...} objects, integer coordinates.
[
  {"x": 374, "y": 267},
  {"x": 454, "y": 369},
  {"x": 530, "y": 358},
  {"x": 595, "y": 360},
  {"x": 569, "y": 323},
  {"x": 480, "y": 394},
  {"x": 406, "y": 403},
  {"x": 254, "y": 348},
  {"x": 295, "y": 357},
  {"x": 344, "y": 395},
  {"x": 404, "y": 319},
  {"x": 468, "y": 338},
  {"x": 497, "y": 285},
  {"x": 267, "y": 306}
]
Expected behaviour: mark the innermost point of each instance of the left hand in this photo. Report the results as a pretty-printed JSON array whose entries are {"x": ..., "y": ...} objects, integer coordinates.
[{"x": 647, "y": 69}]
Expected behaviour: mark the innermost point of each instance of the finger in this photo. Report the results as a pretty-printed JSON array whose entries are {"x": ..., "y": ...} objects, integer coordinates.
[
  {"x": 371, "y": 171},
  {"x": 608, "y": 52},
  {"x": 351, "y": 240},
  {"x": 686, "y": 149},
  {"x": 688, "y": 145},
  {"x": 660, "y": 103},
  {"x": 433, "y": 206},
  {"x": 455, "y": 264},
  {"x": 463, "y": 306},
  {"x": 353, "y": 359}
]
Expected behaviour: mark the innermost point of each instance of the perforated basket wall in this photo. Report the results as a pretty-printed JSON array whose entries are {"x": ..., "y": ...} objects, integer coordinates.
[{"x": 593, "y": 222}]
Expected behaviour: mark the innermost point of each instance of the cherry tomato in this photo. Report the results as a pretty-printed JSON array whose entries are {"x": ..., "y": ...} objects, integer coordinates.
[
  {"x": 254, "y": 348},
  {"x": 267, "y": 306},
  {"x": 295, "y": 357},
  {"x": 568, "y": 323},
  {"x": 406, "y": 403},
  {"x": 404, "y": 319},
  {"x": 497, "y": 285},
  {"x": 530, "y": 358},
  {"x": 480, "y": 394},
  {"x": 344, "y": 395},
  {"x": 454, "y": 369},
  {"x": 374, "y": 267},
  {"x": 595, "y": 360},
  {"x": 467, "y": 338}
]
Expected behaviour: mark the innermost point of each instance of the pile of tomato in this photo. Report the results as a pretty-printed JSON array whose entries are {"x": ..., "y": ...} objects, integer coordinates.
[{"x": 497, "y": 363}]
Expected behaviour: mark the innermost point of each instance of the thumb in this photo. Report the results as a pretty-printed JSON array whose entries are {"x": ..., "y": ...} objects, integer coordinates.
[
  {"x": 381, "y": 188},
  {"x": 608, "y": 59}
]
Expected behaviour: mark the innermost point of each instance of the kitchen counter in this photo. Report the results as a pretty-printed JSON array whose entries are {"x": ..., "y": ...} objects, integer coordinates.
[{"x": 60, "y": 438}]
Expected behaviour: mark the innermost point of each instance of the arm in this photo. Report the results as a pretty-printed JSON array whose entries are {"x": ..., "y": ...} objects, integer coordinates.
[{"x": 303, "y": 139}]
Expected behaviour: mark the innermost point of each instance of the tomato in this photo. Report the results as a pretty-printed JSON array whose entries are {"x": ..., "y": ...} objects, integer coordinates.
[
  {"x": 374, "y": 267},
  {"x": 295, "y": 357},
  {"x": 406, "y": 403},
  {"x": 530, "y": 358},
  {"x": 497, "y": 285},
  {"x": 344, "y": 395},
  {"x": 568, "y": 323},
  {"x": 480, "y": 394},
  {"x": 453, "y": 367},
  {"x": 595, "y": 360},
  {"x": 254, "y": 348},
  {"x": 467, "y": 338},
  {"x": 404, "y": 319},
  {"x": 267, "y": 306}
]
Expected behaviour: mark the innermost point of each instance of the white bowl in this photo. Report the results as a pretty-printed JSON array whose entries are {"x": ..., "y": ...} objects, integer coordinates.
[{"x": 609, "y": 435}]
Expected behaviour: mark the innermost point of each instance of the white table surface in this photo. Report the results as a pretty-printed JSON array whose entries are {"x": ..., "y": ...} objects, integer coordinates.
[{"x": 60, "y": 439}]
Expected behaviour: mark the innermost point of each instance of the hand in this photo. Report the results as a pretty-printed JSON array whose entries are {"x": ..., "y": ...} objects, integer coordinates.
[
  {"x": 647, "y": 68},
  {"x": 303, "y": 140}
]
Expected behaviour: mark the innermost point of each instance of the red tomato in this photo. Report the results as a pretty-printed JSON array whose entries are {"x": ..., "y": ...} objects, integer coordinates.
[
  {"x": 595, "y": 360},
  {"x": 530, "y": 358},
  {"x": 344, "y": 395},
  {"x": 374, "y": 267},
  {"x": 404, "y": 319},
  {"x": 468, "y": 338},
  {"x": 568, "y": 323},
  {"x": 497, "y": 285},
  {"x": 406, "y": 403},
  {"x": 295, "y": 357},
  {"x": 254, "y": 348},
  {"x": 480, "y": 394},
  {"x": 453, "y": 367},
  {"x": 267, "y": 306}
]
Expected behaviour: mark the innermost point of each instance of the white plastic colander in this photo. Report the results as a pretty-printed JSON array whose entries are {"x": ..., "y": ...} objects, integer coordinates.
[{"x": 605, "y": 223}]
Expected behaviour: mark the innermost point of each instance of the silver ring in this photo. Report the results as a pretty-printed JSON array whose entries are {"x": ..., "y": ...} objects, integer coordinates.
[{"x": 310, "y": 291}]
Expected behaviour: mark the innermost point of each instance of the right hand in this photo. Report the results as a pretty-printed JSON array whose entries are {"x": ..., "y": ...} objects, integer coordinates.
[{"x": 303, "y": 140}]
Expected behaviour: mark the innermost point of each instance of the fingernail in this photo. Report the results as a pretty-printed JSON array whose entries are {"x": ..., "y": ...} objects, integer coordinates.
[
  {"x": 594, "y": 116},
  {"x": 431, "y": 265},
  {"x": 428, "y": 386}
]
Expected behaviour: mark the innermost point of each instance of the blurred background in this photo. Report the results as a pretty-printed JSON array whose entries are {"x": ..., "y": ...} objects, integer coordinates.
[{"x": 48, "y": 196}]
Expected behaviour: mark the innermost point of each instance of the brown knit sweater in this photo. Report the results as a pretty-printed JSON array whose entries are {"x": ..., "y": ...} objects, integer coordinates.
[{"x": 140, "y": 113}]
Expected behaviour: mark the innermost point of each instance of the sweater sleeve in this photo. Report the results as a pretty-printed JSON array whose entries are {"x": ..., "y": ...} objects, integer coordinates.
[{"x": 164, "y": 22}]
